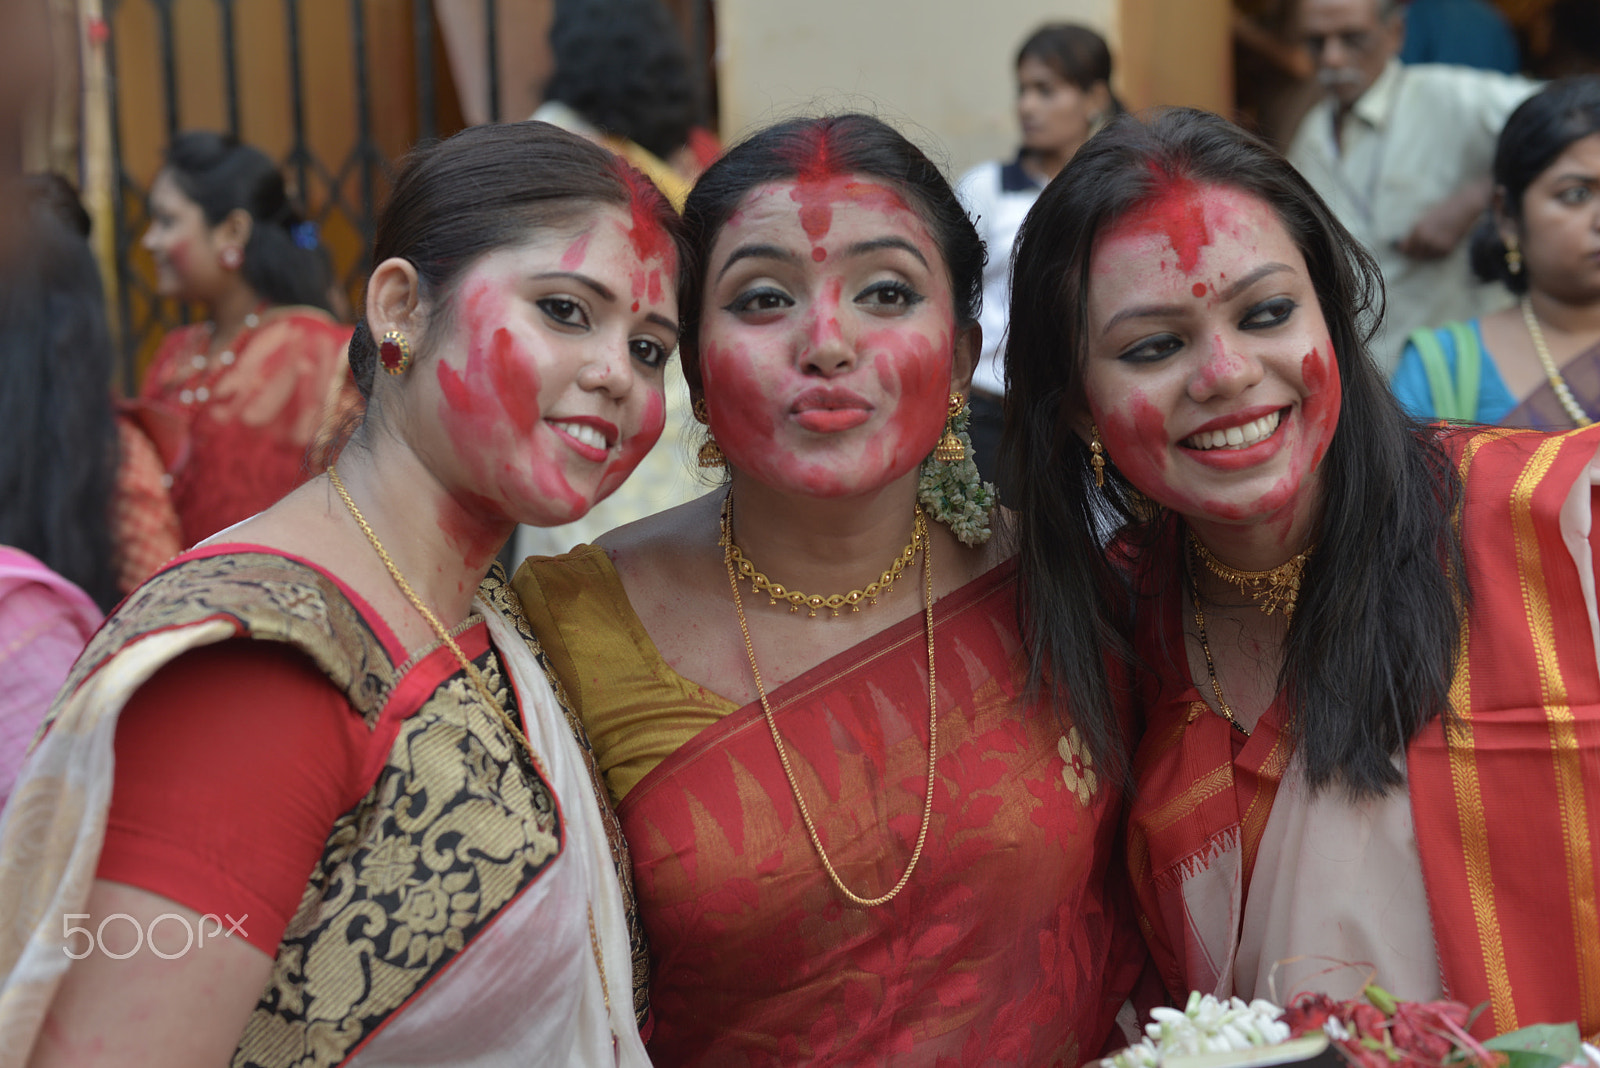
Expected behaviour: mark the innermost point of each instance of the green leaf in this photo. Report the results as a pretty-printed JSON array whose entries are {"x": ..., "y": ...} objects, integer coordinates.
[
  {"x": 1380, "y": 998},
  {"x": 1540, "y": 1046}
]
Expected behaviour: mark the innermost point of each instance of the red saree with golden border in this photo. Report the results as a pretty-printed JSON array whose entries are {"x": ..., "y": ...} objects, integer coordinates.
[
  {"x": 1007, "y": 946},
  {"x": 1505, "y": 807}
]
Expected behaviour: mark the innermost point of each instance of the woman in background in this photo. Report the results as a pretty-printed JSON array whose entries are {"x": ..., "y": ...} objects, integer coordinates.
[
  {"x": 1063, "y": 95},
  {"x": 857, "y": 839},
  {"x": 235, "y": 403},
  {"x": 1537, "y": 363},
  {"x": 1370, "y": 683}
]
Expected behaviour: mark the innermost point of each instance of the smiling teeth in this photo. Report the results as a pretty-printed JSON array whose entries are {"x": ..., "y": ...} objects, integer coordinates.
[
  {"x": 1235, "y": 437},
  {"x": 586, "y": 434}
]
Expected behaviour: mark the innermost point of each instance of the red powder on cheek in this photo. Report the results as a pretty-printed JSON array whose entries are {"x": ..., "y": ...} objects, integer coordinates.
[
  {"x": 572, "y": 259},
  {"x": 922, "y": 367},
  {"x": 1136, "y": 441},
  {"x": 635, "y": 448},
  {"x": 1324, "y": 399},
  {"x": 1176, "y": 210},
  {"x": 178, "y": 256},
  {"x": 514, "y": 379}
]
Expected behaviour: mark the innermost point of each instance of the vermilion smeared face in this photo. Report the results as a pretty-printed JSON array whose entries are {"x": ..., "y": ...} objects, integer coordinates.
[
  {"x": 548, "y": 382},
  {"x": 826, "y": 340},
  {"x": 1210, "y": 370}
]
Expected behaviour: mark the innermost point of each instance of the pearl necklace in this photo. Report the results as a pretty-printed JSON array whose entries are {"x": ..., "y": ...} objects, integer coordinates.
[{"x": 1557, "y": 382}]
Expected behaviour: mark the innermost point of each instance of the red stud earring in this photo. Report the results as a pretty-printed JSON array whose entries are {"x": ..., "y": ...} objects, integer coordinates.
[{"x": 394, "y": 352}]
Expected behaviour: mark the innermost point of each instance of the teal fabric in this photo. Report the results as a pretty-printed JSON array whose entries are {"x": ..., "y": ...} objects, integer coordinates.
[{"x": 1410, "y": 382}]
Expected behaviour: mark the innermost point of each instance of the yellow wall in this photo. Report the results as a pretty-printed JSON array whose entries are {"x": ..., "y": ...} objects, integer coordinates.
[{"x": 942, "y": 69}]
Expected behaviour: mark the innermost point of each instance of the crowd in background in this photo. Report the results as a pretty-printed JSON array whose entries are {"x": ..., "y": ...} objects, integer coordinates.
[{"x": 1439, "y": 206}]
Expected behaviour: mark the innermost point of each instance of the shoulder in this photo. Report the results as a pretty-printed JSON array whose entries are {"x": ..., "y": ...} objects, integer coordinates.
[{"x": 1489, "y": 94}]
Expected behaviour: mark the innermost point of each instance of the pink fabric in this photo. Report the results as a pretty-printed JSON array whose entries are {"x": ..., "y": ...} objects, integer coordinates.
[{"x": 45, "y": 621}]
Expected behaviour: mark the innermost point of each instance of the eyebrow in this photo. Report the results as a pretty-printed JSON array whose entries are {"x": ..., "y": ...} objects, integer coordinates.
[
  {"x": 861, "y": 248},
  {"x": 1154, "y": 311},
  {"x": 762, "y": 252}
]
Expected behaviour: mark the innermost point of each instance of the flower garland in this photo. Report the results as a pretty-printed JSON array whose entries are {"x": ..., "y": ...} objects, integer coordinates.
[{"x": 955, "y": 494}]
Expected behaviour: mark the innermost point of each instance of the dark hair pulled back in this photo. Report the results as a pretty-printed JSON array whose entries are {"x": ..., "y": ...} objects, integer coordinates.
[
  {"x": 1369, "y": 656},
  {"x": 1543, "y": 126},
  {"x": 843, "y": 144},
  {"x": 1075, "y": 53},
  {"x": 281, "y": 260},
  {"x": 494, "y": 187}
]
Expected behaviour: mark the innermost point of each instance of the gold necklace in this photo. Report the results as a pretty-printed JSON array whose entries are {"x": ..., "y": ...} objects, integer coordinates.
[
  {"x": 1557, "y": 382},
  {"x": 1211, "y": 668},
  {"x": 1269, "y": 590},
  {"x": 483, "y": 691},
  {"x": 778, "y": 592},
  {"x": 920, "y": 528}
]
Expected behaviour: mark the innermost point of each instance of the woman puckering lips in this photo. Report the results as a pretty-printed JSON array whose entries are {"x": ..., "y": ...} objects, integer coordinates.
[
  {"x": 1211, "y": 375},
  {"x": 831, "y": 308}
]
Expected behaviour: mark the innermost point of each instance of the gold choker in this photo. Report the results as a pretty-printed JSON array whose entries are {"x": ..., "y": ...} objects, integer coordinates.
[
  {"x": 776, "y": 591},
  {"x": 1271, "y": 590}
]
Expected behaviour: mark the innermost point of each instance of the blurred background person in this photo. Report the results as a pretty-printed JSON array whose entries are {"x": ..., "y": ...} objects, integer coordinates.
[
  {"x": 58, "y": 463},
  {"x": 235, "y": 403},
  {"x": 1402, "y": 156},
  {"x": 1536, "y": 364},
  {"x": 1063, "y": 95},
  {"x": 1468, "y": 33}
]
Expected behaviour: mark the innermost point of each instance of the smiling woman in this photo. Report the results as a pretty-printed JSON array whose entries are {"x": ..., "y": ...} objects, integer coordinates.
[
  {"x": 1364, "y": 644},
  {"x": 858, "y": 838},
  {"x": 331, "y": 727}
]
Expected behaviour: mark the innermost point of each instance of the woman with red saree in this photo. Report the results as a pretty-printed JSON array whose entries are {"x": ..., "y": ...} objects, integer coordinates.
[
  {"x": 857, "y": 838},
  {"x": 1368, "y": 648},
  {"x": 309, "y": 796},
  {"x": 234, "y": 404}
]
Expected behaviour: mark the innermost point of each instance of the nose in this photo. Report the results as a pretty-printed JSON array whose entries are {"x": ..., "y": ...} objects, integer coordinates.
[
  {"x": 825, "y": 350},
  {"x": 609, "y": 371},
  {"x": 1225, "y": 371},
  {"x": 148, "y": 238}
]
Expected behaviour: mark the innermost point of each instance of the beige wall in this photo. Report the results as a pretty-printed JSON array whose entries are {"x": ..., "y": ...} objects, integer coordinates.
[
  {"x": 941, "y": 69},
  {"x": 942, "y": 65}
]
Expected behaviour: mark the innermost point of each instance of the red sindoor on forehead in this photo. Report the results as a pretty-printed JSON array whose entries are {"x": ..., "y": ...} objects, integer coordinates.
[
  {"x": 1175, "y": 209},
  {"x": 646, "y": 204}
]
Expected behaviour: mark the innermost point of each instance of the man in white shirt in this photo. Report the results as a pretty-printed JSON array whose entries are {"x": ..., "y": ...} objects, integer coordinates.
[{"x": 1402, "y": 155}]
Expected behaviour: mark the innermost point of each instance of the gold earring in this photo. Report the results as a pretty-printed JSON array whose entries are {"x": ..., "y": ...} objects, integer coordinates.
[
  {"x": 711, "y": 454},
  {"x": 1513, "y": 257},
  {"x": 394, "y": 352},
  {"x": 1097, "y": 457},
  {"x": 950, "y": 449}
]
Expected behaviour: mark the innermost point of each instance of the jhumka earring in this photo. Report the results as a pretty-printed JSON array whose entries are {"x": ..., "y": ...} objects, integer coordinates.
[
  {"x": 1513, "y": 257},
  {"x": 231, "y": 258},
  {"x": 1097, "y": 457},
  {"x": 394, "y": 352},
  {"x": 711, "y": 454},
  {"x": 950, "y": 449}
]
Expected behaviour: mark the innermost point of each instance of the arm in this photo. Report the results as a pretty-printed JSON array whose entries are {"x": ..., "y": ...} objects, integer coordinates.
[
  {"x": 144, "y": 1010},
  {"x": 1443, "y": 226}
]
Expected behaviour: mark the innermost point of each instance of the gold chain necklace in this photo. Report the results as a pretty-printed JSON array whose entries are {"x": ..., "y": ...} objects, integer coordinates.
[
  {"x": 778, "y": 592},
  {"x": 1557, "y": 382},
  {"x": 1270, "y": 590},
  {"x": 483, "y": 691},
  {"x": 1205, "y": 647},
  {"x": 920, "y": 527}
]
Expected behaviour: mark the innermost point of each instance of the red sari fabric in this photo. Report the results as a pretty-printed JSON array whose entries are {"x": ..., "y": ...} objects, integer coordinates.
[
  {"x": 1013, "y": 942},
  {"x": 235, "y": 436},
  {"x": 1506, "y": 809}
]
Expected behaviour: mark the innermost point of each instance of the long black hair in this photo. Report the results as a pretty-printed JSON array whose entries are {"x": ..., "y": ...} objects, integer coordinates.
[
  {"x": 1370, "y": 652},
  {"x": 1542, "y": 127},
  {"x": 850, "y": 143},
  {"x": 58, "y": 439},
  {"x": 282, "y": 260},
  {"x": 488, "y": 188}
]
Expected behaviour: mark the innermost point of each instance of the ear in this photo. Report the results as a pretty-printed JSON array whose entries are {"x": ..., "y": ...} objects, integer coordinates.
[
  {"x": 394, "y": 300},
  {"x": 1077, "y": 418},
  {"x": 969, "y": 343},
  {"x": 234, "y": 229}
]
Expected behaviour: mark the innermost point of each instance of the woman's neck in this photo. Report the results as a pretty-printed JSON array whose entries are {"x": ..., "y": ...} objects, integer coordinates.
[
  {"x": 822, "y": 547},
  {"x": 230, "y": 310},
  {"x": 442, "y": 549},
  {"x": 1566, "y": 317},
  {"x": 1046, "y": 165},
  {"x": 1259, "y": 546}
]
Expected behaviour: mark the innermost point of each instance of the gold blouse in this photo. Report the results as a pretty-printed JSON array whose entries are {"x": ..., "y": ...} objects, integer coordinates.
[{"x": 637, "y": 710}]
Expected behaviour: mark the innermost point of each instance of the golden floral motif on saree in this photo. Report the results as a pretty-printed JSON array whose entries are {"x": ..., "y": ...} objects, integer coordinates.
[
  {"x": 456, "y": 825},
  {"x": 500, "y": 593},
  {"x": 1078, "y": 771},
  {"x": 270, "y": 597}
]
